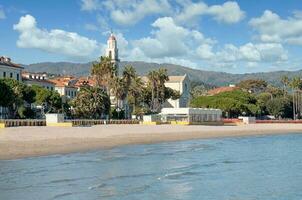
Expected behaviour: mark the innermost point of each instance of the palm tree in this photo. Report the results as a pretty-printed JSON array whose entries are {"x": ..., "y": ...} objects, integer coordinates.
[
  {"x": 104, "y": 72},
  {"x": 295, "y": 85},
  {"x": 153, "y": 81},
  {"x": 162, "y": 78},
  {"x": 135, "y": 91},
  {"x": 285, "y": 82}
]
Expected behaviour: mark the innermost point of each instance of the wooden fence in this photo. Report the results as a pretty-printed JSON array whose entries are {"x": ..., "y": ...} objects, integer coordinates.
[{"x": 23, "y": 122}]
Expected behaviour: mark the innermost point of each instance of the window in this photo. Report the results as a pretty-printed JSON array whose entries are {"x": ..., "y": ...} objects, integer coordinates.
[
  {"x": 4, "y": 74},
  {"x": 11, "y": 75},
  {"x": 47, "y": 87},
  {"x": 18, "y": 77}
]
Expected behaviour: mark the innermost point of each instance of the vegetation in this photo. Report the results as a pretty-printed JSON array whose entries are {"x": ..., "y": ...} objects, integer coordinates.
[
  {"x": 257, "y": 98},
  {"x": 91, "y": 103}
]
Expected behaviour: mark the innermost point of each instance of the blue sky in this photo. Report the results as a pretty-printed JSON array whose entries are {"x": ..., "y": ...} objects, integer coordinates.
[{"x": 230, "y": 36}]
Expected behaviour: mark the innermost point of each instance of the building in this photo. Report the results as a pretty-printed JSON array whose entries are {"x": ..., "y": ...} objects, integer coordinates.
[
  {"x": 180, "y": 84},
  {"x": 65, "y": 86},
  {"x": 112, "y": 50},
  {"x": 40, "y": 79},
  {"x": 8, "y": 69},
  {"x": 188, "y": 116}
]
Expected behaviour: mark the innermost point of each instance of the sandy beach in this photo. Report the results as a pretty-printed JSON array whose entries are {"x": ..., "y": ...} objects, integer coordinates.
[{"x": 24, "y": 142}]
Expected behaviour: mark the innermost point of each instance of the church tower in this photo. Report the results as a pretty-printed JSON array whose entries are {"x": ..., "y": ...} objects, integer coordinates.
[{"x": 112, "y": 50}]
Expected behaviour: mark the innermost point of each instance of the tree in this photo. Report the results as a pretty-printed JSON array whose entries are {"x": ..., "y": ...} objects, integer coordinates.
[
  {"x": 50, "y": 100},
  {"x": 23, "y": 96},
  {"x": 233, "y": 103},
  {"x": 91, "y": 102},
  {"x": 253, "y": 85},
  {"x": 285, "y": 82},
  {"x": 6, "y": 94},
  {"x": 296, "y": 85},
  {"x": 279, "y": 107},
  {"x": 153, "y": 80},
  {"x": 104, "y": 72}
]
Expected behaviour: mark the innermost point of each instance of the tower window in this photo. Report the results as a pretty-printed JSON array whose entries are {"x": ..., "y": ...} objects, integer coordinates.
[{"x": 110, "y": 54}]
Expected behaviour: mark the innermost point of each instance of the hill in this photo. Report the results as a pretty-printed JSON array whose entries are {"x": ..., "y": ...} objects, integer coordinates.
[{"x": 142, "y": 68}]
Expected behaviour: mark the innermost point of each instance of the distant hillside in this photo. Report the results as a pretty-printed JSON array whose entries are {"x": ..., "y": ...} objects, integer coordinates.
[{"x": 142, "y": 68}]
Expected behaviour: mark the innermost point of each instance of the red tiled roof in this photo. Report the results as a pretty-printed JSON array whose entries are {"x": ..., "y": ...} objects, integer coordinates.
[{"x": 221, "y": 89}]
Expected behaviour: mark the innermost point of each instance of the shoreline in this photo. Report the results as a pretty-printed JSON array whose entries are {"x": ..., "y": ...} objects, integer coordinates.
[{"x": 24, "y": 142}]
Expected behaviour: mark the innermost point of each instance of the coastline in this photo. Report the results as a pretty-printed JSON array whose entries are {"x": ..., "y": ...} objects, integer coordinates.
[{"x": 23, "y": 142}]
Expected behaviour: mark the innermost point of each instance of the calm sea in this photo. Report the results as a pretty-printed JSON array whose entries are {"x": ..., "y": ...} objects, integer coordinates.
[{"x": 247, "y": 168}]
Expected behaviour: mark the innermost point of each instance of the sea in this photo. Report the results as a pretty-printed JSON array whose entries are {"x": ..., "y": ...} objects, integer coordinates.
[{"x": 242, "y": 168}]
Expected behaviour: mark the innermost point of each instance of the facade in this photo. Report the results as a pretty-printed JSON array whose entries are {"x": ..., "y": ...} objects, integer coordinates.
[
  {"x": 40, "y": 79},
  {"x": 65, "y": 86},
  {"x": 182, "y": 85},
  {"x": 9, "y": 69},
  {"x": 191, "y": 115}
]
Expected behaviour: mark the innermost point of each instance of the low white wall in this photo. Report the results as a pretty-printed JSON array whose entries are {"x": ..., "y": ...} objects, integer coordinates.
[{"x": 54, "y": 118}]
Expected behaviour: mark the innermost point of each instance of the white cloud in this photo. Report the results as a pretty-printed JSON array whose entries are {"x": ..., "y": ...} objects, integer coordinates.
[
  {"x": 229, "y": 12},
  {"x": 170, "y": 40},
  {"x": 54, "y": 41},
  {"x": 272, "y": 28},
  {"x": 2, "y": 13},
  {"x": 90, "y": 5},
  {"x": 129, "y": 14},
  {"x": 262, "y": 52}
]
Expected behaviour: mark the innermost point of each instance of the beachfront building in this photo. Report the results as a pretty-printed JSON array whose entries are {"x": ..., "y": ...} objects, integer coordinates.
[
  {"x": 8, "y": 69},
  {"x": 65, "y": 86},
  {"x": 187, "y": 116},
  {"x": 40, "y": 79}
]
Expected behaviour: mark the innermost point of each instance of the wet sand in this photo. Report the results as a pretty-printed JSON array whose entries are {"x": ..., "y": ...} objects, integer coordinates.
[{"x": 22, "y": 142}]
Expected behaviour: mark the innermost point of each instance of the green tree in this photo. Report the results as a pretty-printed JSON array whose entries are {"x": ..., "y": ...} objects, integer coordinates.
[
  {"x": 6, "y": 94},
  {"x": 279, "y": 107},
  {"x": 51, "y": 100},
  {"x": 104, "y": 72},
  {"x": 253, "y": 85},
  {"x": 91, "y": 102},
  {"x": 285, "y": 82}
]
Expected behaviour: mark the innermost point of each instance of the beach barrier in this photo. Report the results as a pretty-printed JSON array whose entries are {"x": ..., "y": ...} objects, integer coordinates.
[
  {"x": 279, "y": 121},
  {"x": 21, "y": 122},
  {"x": 91, "y": 122}
]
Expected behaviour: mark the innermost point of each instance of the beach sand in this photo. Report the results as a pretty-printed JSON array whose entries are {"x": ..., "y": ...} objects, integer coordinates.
[{"x": 21, "y": 142}]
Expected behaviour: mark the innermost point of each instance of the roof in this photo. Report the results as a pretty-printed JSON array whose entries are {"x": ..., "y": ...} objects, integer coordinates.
[
  {"x": 82, "y": 81},
  {"x": 221, "y": 89},
  {"x": 112, "y": 37},
  {"x": 7, "y": 62},
  {"x": 38, "y": 80},
  {"x": 173, "y": 79},
  {"x": 63, "y": 81}
]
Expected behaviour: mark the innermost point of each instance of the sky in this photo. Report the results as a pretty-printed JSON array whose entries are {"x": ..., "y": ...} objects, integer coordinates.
[{"x": 240, "y": 36}]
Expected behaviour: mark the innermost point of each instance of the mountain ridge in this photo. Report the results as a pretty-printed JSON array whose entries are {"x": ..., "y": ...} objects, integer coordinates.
[{"x": 142, "y": 68}]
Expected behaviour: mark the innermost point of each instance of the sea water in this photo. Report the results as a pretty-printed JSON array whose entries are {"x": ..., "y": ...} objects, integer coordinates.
[{"x": 245, "y": 168}]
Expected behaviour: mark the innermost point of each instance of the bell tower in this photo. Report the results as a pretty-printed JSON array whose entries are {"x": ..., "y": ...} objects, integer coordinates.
[{"x": 112, "y": 50}]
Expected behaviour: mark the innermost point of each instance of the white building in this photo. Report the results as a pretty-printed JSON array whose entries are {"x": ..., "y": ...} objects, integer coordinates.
[
  {"x": 40, "y": 79},
  {"x": 65, "y": 86},
  {"x": 192, "y": 115},
  {"x": 9, "y": 69},
  {"x": 182, "y": 85}
]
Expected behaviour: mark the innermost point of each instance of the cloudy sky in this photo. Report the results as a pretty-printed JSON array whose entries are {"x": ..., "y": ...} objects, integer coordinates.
[{"x": 231, "y": 36}]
